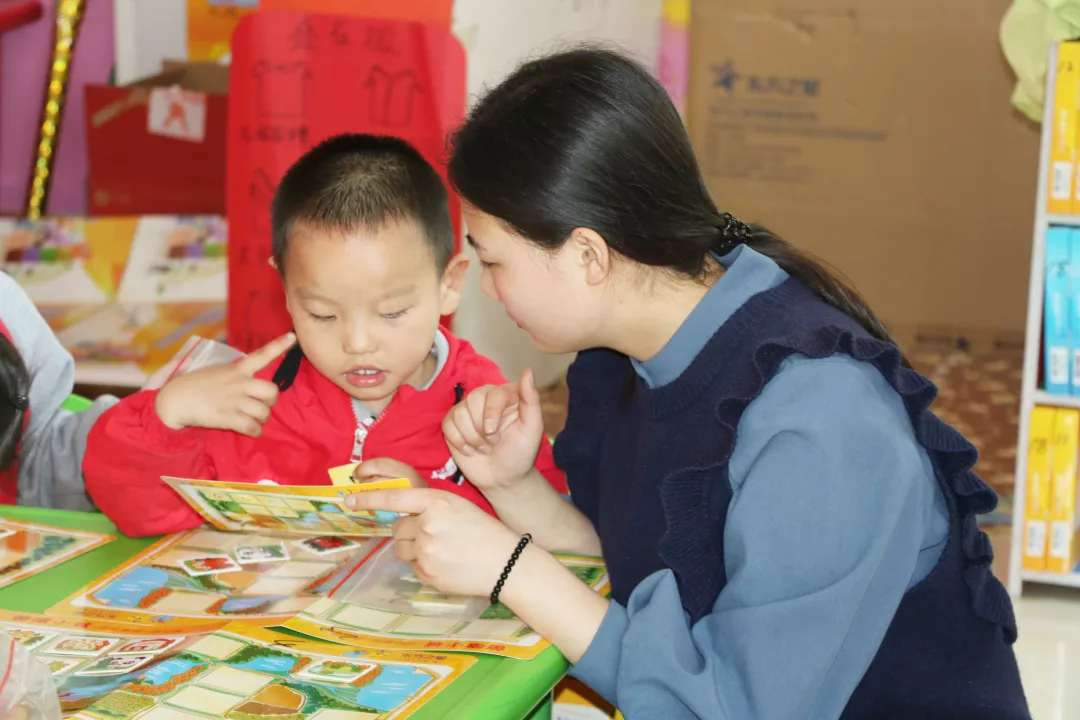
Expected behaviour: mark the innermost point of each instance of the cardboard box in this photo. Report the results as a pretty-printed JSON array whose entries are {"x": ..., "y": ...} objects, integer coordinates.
[
  {"x": 157, "y": 146},
  {"x": 880, "y": 137}
]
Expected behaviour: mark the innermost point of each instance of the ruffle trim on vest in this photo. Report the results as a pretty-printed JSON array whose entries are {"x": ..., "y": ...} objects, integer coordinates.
[{"x": 685, "y": 494}]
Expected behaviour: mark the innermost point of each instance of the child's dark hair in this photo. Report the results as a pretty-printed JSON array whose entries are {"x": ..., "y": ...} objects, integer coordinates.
[
  {"x": 588, "y": 138},
  {"x": 357, "y": 181},
  {"x": 14, "y": 394}
]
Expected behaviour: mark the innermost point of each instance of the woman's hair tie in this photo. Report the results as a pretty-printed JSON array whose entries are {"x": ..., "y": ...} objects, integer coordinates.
[
  {"x": 732, "y": 228},
  {"x": 19, "y": 402}
]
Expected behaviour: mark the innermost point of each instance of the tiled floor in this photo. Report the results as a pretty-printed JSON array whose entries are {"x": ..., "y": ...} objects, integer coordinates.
[{"x": 1048, "y": 651}]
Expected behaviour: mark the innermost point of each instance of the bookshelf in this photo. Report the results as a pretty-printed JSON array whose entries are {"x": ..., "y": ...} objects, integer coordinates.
[{"x": 1030, "y": 393}]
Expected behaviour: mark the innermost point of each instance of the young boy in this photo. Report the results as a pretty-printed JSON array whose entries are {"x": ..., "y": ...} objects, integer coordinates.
[{"x": 364, "y": 244}]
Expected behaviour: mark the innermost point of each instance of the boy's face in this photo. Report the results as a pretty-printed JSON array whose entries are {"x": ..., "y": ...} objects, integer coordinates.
[{"x": 366, "y": 305}]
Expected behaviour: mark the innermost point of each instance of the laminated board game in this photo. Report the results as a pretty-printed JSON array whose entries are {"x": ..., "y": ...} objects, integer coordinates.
[
  {"x": 28, "y": 548},
  {"x": 302, "y": 510},
  {"x": 201, "y": 580},
  {"x": 244, "y": 673},
  {"x": 87, "y": 659},
  {"x": 382, "y": 604}
]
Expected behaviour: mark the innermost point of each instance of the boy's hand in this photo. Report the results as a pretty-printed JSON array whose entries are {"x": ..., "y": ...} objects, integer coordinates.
[
  {"x": 495, "y": 434},
  {"x": 387, "y": 469},
  {"x": 225, "y": 397}
]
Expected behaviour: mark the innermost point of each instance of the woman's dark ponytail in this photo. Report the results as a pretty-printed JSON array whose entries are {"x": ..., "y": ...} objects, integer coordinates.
[
  {"x": 816, "y": 275},
  {"x": 14, "y": 401}
]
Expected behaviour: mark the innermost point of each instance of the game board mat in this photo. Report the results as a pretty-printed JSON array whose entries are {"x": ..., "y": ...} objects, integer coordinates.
[{"x": 492, "y": 688}]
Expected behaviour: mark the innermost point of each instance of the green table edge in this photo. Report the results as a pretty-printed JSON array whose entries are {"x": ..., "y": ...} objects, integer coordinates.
[
  {"x": 76, "y": 403},
  {"x": 492, "y": 689}
]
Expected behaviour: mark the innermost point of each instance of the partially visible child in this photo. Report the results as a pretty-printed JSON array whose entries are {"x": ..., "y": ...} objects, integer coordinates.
[
  {"x": 363, "y": 239},
  {"x": 41, "y": 444}
]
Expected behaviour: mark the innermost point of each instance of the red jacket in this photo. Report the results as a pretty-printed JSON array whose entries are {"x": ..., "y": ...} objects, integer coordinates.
[
  {"x": 311, "y": 429},
  {"x": 9, "y": 476}
]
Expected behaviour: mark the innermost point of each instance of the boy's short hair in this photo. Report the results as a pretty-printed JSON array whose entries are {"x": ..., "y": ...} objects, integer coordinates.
[{"x": 362, "y": 181}]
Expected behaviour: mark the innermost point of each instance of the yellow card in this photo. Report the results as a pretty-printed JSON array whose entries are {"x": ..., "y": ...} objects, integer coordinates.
[
  {"x": 342, "y": 475},
  {"x": 302, "y": 510}
]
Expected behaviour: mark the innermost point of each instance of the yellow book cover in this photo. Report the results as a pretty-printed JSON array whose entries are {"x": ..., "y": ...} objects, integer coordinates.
[
  {"x": 1037, "y": 498},
  {"x": 1062, "y": 180},
  {"x": 1063, "y": 490}
]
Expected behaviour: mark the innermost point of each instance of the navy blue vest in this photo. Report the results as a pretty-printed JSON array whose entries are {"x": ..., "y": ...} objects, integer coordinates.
[{"x": 649, "y": 467}]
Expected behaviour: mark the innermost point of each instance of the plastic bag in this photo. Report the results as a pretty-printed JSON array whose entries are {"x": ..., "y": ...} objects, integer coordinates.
[
  {"x": 1028, "y": 30},
  {"x": 385, "y": 582},
  {"x": 196, "y": 353},
  {"x": 27, "y": 690}
]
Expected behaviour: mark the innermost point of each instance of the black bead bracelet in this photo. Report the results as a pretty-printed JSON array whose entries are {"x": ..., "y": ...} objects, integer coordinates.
[{"x": 525, "y": 540}]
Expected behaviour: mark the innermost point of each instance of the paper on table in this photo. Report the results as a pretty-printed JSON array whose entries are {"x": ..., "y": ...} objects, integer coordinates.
[{"x": 29, "y": 548}]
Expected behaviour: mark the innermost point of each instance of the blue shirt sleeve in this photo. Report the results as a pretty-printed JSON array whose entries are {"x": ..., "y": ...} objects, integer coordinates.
[{"x": 835, "y": 511}]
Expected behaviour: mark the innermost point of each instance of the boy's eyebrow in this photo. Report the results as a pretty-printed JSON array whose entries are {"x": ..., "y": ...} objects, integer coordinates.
[
  {"x": 395, "y": 293},
  {"x": 398, "y": 292},
  {"x": 307, "y": 295},
  {"x": 472, "y": 241}
]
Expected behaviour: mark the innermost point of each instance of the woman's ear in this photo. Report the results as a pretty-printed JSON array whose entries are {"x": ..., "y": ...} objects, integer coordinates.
[
  {"x": 453, "y": 280},
  {"x": 591, "y": 253}
]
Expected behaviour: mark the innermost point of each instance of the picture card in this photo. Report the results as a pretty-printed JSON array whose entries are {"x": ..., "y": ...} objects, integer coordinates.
[
  {"x": 209, "y": 565},
  {"x": 337, "y": 671},
  {"x": 30, "y": 638},
  {"x": 147, "y": 646},
  {"x": 115, "y": 665},
  {"x": 326, "y": 545},
  {"x": 254, "y": 554},
  {"x": 61, "y": 666},
  {"x": 82, "y": 645}
]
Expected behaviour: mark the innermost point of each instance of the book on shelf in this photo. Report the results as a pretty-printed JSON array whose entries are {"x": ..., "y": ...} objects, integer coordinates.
[
  {"x": 1064, "y": 541},
  {"x": 1037, "y": 505},
  {"x": 1056, "y": 325},
  {"x": 1063, "y": 141}
]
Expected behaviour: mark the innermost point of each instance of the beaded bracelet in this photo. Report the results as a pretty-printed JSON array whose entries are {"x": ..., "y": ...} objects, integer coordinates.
[{"x": 525, "y": 540}]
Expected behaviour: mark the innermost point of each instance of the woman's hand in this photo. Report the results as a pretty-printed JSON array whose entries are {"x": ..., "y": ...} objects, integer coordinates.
[
  {"x": 452, "y": 545},
  {"x": 495, "y": 434}
]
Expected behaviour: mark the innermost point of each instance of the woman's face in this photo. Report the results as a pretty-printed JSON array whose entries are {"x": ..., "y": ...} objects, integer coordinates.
[{"x": 546, "y": 294}]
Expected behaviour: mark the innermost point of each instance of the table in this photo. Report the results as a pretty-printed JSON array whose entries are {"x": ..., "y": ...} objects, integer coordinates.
[{"x": 492, "y": 689}]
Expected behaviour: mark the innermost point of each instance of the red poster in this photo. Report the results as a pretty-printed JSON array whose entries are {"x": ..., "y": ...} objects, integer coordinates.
[
  {"x": 432, "y": 11},
  {"x": 297, "y": 79}
]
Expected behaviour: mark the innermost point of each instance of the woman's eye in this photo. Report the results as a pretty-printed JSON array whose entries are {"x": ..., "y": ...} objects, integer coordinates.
[
  {"x": 321, "y": 318},
  {"x": 395, "y": 315}
]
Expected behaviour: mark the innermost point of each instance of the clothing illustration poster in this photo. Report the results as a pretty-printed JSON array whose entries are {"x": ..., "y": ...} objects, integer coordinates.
[{"x": 287, "y": 94}]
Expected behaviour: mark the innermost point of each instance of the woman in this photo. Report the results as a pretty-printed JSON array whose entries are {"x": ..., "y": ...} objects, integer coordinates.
[{"x": 789, "y": 531}]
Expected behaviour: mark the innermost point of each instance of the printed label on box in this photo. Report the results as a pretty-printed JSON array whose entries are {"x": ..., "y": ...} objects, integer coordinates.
[{"x": 177, "y": 113}]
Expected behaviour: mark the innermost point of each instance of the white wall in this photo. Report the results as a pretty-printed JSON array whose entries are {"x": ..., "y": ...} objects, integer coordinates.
[{"x": 497, "y": 35}]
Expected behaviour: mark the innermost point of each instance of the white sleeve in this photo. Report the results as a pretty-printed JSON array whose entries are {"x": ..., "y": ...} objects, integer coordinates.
[{"x": 50, "y": 462}]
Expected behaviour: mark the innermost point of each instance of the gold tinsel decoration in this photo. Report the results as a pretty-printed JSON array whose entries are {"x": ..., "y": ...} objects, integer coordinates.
[{"x": 69, "y": 15}]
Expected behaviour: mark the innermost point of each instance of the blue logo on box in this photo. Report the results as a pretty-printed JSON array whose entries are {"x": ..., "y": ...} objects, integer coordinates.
[{"x": 731, "y": 81}]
